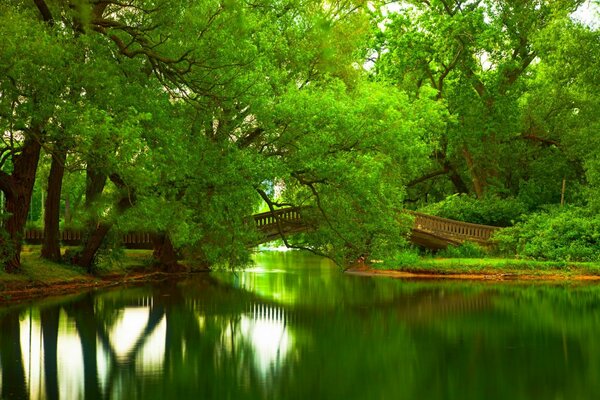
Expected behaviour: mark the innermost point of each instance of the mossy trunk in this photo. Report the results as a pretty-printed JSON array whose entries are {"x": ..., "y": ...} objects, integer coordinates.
[
  {"x": 51, "y": 243},
  {"x": 18, "y": 199},
  {"x": 165, "y": 255},
  {"x": 96, "y": 236},
  {"x": 86, "y": 256}
]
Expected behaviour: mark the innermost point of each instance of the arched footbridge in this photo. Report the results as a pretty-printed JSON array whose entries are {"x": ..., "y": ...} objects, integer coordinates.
[{"x": 428, "y": 231}]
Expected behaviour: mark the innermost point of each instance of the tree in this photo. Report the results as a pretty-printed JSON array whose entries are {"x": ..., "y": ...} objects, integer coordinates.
[
  {"x": 476, "y": 56},
  {"x": 180, "y": 114},
  {"x": 35, "y": 67},
  {"x": 347, "y": 153}
]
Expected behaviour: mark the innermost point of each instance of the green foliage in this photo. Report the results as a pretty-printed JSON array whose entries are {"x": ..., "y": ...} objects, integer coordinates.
[
  {"x": 408, "y": 257},
  {"x": 559, "y": 234},
  {"x": 200, "y": 106},
  {"x": 488, "y": 211},
  {"x": 464, "y": 250},
  {"x": 519, "y": 88},
  {"x": 347, "y": 151}
]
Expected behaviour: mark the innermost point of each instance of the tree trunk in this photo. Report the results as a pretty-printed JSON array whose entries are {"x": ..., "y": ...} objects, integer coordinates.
[
  {"x": 85, "y": 258},
  {"x": 94, "y": 185},
  {"x": 478, "y": 182},
  {"x": 455, "y": 178},
  {"x": 51, "y": 243},
  {"x": 165, "y": 255},
  {"x": 18, "y": 199}
]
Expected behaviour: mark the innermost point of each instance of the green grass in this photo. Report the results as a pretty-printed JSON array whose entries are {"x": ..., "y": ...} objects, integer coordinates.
[
  {"x": 495, "y": 266},
  {"x": 35, "y": 271}
]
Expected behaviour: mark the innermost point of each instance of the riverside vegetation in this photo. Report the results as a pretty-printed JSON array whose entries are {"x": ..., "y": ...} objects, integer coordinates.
[{"x": 183, "y": 118}]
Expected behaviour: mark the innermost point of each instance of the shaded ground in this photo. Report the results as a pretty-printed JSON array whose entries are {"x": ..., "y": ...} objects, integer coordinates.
[{"x": 41, "y": 278}]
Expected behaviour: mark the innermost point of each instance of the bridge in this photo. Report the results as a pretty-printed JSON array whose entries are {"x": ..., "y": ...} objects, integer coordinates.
[
  {"x": 428, "y": 231},
  {"x": 438, "y": 233}
]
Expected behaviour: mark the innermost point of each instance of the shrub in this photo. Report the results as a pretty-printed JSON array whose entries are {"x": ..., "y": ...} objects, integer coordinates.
[
  {"x": 406, "y": 257},
  {"x": 488, "y": 211},
  {"x": 465, "y": 250},
  {"x": 557, "y": 234}
]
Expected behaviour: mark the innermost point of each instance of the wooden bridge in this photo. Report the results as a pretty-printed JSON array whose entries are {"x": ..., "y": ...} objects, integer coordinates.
[
  {"x": 438, "y": 233},
  {"x": 428, "y": 231}
]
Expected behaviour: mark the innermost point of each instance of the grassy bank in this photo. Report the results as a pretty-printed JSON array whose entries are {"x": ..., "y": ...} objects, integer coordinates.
[
  {"x": 493, "y": 267},
  {"x": 39, "y": 277}
]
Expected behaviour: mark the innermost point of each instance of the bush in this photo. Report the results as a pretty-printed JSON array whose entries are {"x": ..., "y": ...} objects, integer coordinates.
[
  {"x": 489, "y": 211},
  {"x": 465, "y": 250},
  {"x": 406, "y": 257},
  {"x": 557, "y": 234}
]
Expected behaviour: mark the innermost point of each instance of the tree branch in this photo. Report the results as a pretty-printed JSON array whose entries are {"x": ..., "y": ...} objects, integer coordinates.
[
  {"x": 542, "y": 140},
  {"x": 428, "y": 176}
]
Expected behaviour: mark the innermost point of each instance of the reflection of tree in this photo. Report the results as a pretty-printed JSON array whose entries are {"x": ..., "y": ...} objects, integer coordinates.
[
  {"x": 410, "y": 340},
  {"x": 82, "y": 311},
  {"x": 123, "y": 372},
  {"x": 204, "y": 353},
  {"x": 13, "y": 373},
  {"x": 49, "y": 321}
]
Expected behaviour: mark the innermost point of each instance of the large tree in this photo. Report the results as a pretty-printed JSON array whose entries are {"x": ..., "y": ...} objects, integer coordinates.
[
  {"x": 477, "y": 56},
  {"x": 182, "y": 113},
  {"x": 36, "y": 66}
]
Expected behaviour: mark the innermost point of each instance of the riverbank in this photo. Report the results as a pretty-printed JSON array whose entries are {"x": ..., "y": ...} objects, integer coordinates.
[
  {"x": 496, "y": 269},
  {"x": 42, "y": 278}
]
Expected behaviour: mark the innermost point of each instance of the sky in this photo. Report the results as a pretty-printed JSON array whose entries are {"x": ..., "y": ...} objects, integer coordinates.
[{"x": 588, "y": 13}]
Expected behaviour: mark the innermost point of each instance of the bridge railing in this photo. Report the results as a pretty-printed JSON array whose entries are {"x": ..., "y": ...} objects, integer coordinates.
[
  {"x": 290, "y": 220},
  {"x": 73, "y": 236},
  {"x": 449, "y": 227},
  {"x": 266, "y": 222},
  {"x": 286, "y": 215},
  {"x": 37, "y": 235}
]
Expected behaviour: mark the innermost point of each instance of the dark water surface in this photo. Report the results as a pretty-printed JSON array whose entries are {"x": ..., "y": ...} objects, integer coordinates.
[{"x": 294, "y": 327}]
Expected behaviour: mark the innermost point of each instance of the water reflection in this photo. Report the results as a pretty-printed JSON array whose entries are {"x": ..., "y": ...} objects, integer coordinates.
[
  {"x": 266, "y": 332},
  {"x": 299, "y": 329}
]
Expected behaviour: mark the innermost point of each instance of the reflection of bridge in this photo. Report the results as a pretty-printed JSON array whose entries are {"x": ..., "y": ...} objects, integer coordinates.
[{"x": 427, "y": 231}]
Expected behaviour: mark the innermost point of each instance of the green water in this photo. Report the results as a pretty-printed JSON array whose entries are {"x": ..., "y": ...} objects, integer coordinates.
[{"x": 294, "y": 327}]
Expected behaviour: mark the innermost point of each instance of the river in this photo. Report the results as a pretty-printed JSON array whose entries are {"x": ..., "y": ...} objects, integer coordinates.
[{"x": 295, "y": 327}]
